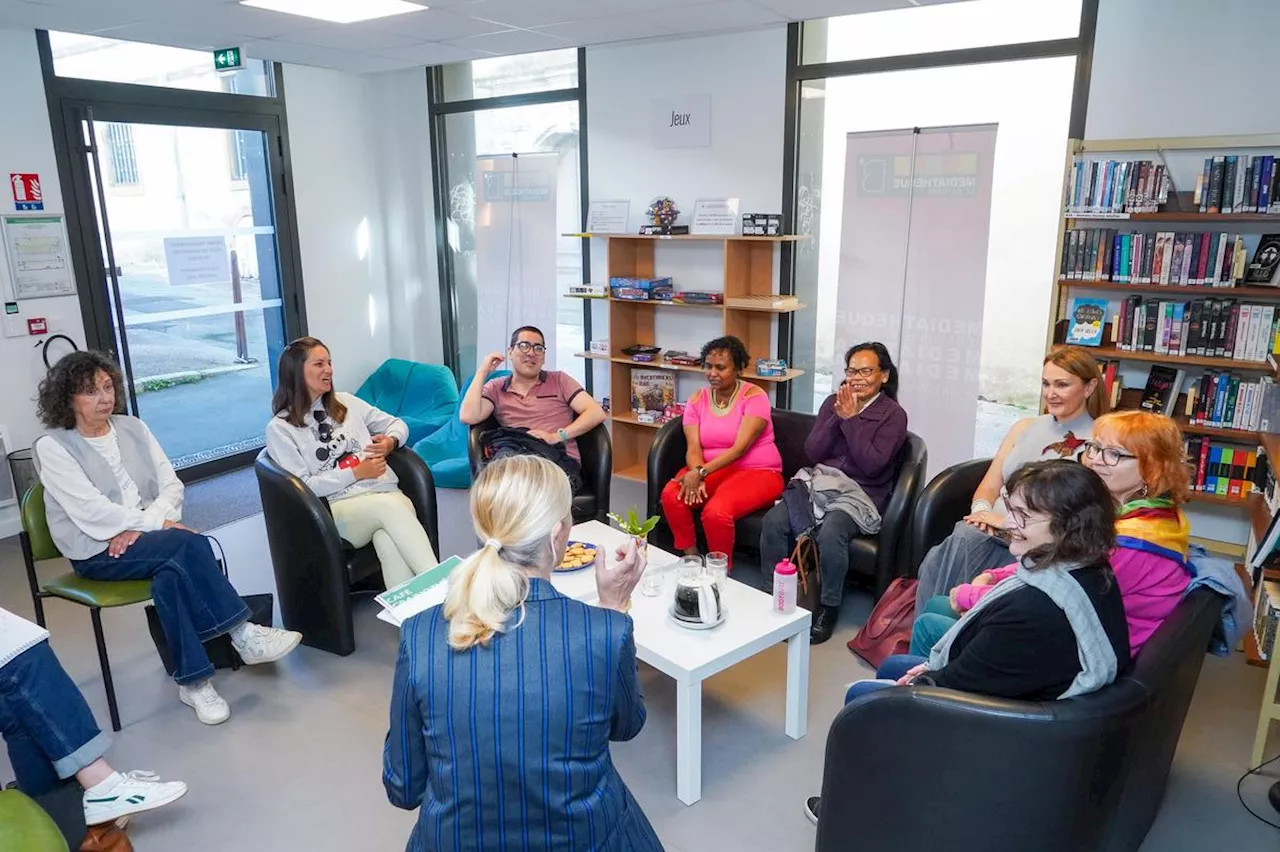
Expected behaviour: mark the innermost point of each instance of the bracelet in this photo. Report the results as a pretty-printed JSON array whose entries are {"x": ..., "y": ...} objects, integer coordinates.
[
  {"x": 979, "y": 506},
  {"x": 564, "y": 436}
]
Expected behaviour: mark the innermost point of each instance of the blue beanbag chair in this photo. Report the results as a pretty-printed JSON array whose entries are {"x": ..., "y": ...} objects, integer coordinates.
[
  {"x": 445, "y": 450},
  {"x": 424, "y": 396}
]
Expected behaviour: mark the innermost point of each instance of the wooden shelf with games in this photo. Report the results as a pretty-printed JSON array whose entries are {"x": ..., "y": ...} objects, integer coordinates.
[
  {"x": 749, "y": 313},
  {"x": 1176, "y": 208}
]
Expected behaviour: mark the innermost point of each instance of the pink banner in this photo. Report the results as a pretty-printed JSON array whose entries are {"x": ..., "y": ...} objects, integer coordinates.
[{"x": 913, "y": 268}]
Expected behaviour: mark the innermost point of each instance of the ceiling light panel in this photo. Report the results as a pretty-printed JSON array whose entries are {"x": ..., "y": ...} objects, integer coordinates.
[{"x": 338, "y": 11}]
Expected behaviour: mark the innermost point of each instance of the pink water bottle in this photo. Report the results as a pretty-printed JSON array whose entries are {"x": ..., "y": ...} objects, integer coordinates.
[{"x": 784, "y": 587}]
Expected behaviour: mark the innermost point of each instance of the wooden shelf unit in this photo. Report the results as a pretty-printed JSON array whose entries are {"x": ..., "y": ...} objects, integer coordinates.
[
  {"x": 748, "y": 272},
  {"x": 1062, "y": 287}
]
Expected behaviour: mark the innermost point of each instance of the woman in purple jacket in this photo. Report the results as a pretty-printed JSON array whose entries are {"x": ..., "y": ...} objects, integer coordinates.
[{"x": 859, "y": 430}]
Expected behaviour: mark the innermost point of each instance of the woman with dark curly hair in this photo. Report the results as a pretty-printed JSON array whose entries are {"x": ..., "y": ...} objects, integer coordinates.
[
  {"x": 114, "y": 508},
  {"x": 732, "y": 466}
]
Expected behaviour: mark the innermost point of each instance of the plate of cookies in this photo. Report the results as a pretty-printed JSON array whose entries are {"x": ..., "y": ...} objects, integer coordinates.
[{"x": 578, "y": 555}]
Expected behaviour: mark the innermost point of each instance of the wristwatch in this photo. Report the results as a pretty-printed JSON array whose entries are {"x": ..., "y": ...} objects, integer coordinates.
[
  {"x": 702, "y": 471},
  {"x": 564, "y": 436}
]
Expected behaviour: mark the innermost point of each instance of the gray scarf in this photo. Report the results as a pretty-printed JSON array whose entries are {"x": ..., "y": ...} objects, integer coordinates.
[{"x": 1098, "y": 663}]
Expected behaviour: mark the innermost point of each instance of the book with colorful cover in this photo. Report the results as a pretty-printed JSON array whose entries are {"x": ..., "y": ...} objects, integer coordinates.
[
  {"x": 1086, "y": 318},
  {"x": 652, "y": 390},
  {"x": 420, "y": 593}
]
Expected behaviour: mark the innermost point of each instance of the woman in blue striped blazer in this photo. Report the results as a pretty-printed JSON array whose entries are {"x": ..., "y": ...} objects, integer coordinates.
[{"x": 507, "y": 696}]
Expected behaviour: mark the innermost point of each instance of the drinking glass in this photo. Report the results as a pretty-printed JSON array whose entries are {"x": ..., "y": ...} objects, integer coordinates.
[
  {"x": 718, "y": 566},
  {"x": 651, "y": 583},
  {"x": 690, "y": 566}
]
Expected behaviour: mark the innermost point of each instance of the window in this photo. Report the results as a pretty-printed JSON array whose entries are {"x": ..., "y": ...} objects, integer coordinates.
[
  {"x": 121, "y": 155},
  {"x": 930, "y": 196},
  {"x": 113, "y": 61},
  {"x": 239, "y": 156},
  {"x": 510, "y": 75},
  {"x": 509, "y": 182}
]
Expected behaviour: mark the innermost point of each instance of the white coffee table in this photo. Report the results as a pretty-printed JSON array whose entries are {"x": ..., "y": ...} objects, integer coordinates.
[{"x": 692, "y": 656}]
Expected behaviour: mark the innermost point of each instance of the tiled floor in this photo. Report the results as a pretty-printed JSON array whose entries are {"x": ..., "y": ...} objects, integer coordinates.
[{"x": 298, "y": 765}]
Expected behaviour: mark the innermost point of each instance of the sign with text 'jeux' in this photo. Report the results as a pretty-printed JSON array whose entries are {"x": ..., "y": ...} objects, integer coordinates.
[{"x": 681, "y": 122}]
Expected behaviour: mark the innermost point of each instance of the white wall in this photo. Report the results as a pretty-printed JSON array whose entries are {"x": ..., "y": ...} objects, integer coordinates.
[
  {"x": 1160, "y": 68},
  {"x": 26, "y": 145},
  {"x": 1183, "y": 68},
  {"x": 744, "y": 73},
  {"x": 397, "y": 101},
  {"x": 335, "y": 188}
]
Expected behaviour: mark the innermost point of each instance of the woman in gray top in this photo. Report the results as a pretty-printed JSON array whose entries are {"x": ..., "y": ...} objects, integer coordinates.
[{"x": 1073, "y": 394}]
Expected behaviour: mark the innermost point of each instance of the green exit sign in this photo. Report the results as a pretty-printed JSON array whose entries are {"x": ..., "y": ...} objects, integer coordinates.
[{"x": 228, "y": 59}]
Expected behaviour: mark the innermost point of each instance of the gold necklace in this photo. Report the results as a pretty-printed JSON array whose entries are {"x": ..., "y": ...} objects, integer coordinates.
[{"x": 715, "y": 402}]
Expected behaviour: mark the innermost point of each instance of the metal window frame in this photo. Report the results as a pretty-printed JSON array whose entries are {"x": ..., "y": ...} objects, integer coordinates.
[
  {"x": 124, "y": 159},
  {"x": 186, "y": 107},
  {"x": 1081, "y": 46},
  {"x": 439, "y": 110}
]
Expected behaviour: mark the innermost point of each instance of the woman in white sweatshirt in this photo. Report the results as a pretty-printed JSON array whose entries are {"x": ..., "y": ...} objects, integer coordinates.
[{"x": 338, "y": 445}]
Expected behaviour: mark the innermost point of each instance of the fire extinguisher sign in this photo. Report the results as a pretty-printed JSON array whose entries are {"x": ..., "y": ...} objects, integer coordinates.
[{"x": 26, "y": 191}]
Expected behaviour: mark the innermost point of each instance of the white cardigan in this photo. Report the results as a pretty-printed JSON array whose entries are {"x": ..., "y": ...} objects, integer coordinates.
[{"x": 297, "y": 449}]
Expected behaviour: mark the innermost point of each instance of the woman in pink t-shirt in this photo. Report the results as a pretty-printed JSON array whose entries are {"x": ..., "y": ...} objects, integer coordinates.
[{"x": 732, "y": 466}]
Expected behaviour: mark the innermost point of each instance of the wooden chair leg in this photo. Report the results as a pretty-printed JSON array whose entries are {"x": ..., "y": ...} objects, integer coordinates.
[{"x": 95, "y": 613}]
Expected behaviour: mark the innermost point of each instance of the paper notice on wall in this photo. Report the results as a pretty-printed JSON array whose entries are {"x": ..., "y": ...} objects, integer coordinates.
[
  {"x": 197, "y": 260},
  {"x": 913, "y": 269},
  {"x": 39, "y": 262}
]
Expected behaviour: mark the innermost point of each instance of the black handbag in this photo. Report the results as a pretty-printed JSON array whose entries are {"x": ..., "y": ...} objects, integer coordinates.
[{"x": 221, "y": 654}]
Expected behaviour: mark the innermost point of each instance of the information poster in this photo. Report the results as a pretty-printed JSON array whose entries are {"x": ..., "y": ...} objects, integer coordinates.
[
  {"x": 608, "y": 217},
  {"x": 913, "y": 270},
  {"x": 515, "y": 248},
  {"x": 39, "y": 261},
  {"x": 715, "y": 216}
]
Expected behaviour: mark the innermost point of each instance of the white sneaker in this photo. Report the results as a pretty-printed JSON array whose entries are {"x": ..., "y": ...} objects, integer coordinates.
[
  {"x": 211, "y": 708},
  {"x": 133, "y": 793},
  {"x": 260, "y": 644}
]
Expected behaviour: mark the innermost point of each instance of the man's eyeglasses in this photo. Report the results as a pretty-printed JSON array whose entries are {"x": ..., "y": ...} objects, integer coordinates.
[
  {"x": 861, "y": 372},
  {"x": 527, "y": 347},
  {"x": 1110, "y": 455}
]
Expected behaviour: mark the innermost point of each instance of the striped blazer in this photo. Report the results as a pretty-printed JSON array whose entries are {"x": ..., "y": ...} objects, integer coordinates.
[{"x": 506, "y": 747}]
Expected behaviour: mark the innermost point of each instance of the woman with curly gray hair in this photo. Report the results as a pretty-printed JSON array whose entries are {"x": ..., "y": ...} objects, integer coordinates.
[{"x": 114, "y": 509}]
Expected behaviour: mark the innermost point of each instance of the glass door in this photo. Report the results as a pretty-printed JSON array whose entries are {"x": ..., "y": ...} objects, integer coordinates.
[{"x": 192, "y": 299}]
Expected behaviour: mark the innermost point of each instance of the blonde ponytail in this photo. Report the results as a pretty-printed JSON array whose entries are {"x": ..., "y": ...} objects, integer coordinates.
[{"x": 515, "y": 504}]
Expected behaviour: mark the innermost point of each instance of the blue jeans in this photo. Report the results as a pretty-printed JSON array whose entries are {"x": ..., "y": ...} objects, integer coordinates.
[
  {"x": 49, "y": 730},
  {"x": 194, "y": 601},
  {"x": 886, "y": 676}
]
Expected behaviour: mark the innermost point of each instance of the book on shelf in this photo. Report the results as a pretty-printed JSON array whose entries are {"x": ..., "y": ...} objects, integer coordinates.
[
  {"x": 1220, "y": 469},
  {"x": 1187, "y": 259},
  {"x": 1112, "y": 381},
  {"x": 1238, "y": 183},
  {"x": 1084, "y": 322},
  {"x": 1161, "y": 392},
  {"x": 1222, "y": 400},
  {"x": 1265, "y": 266},
  {"x": 1208, "y": 327},
  {"x": 652, "y": 390},
  {"x": 1115, "y": 186}
]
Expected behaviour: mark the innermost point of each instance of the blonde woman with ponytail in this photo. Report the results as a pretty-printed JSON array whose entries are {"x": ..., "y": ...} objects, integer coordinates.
[{"x": 507, "y": 696}]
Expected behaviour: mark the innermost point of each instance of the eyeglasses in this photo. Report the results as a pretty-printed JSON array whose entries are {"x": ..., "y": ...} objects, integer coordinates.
[
  {"x": 1110, "y": 455},
  {"x": 527, "y": 347},
  {"x": 1021, "y": 518},
  {"x": 861, "y": 372}
]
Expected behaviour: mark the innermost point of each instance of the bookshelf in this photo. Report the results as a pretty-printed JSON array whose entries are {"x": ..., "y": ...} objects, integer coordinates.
[
  {"x": 748, "y": 314},
  {"x": 1177, "y": 208}
]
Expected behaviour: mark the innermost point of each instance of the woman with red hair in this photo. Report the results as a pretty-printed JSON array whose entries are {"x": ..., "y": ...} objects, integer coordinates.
[{"x": 1140, "y": 458}]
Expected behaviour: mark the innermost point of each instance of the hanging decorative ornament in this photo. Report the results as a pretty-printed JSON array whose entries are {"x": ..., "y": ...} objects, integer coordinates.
[{"x": 663, "y": 212}]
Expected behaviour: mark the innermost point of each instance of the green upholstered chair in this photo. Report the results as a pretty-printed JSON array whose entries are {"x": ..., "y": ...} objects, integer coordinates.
[
  {"x": 37, "y": 546},
  {"x": 24, "y": 825}
]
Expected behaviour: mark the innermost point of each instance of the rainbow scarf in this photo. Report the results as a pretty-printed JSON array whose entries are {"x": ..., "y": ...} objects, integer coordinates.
[{"x": 1154, "y": 525}]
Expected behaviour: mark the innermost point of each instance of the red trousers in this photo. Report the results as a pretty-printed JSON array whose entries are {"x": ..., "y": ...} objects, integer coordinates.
[{"x": 732, "y": 493}]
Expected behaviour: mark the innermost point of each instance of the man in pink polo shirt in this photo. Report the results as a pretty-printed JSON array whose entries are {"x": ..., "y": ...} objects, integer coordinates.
[{"x": 550, "y": 404}]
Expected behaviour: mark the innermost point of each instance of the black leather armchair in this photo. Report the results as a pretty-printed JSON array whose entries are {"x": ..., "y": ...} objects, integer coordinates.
[
  {"x": 943, "y": 502},
  {"x": 915, "y": 767},
  {"x": 315, "y": 569},
  {"x": 596, "y": 450},
  {"x": 879, "y": 557}
]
